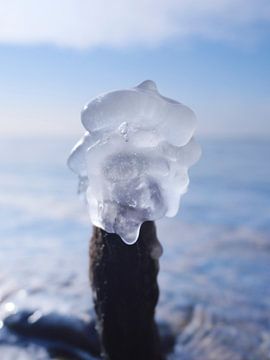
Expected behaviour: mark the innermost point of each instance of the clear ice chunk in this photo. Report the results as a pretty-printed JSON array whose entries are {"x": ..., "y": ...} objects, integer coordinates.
[{"x": 133, "y": 161}]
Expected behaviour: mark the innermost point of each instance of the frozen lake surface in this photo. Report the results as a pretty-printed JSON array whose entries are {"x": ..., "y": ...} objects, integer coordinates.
[{"x": 215, "y": 270}]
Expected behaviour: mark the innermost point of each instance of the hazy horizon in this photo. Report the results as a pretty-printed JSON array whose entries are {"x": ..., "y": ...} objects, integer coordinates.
[{"x": 213, "y": 57}]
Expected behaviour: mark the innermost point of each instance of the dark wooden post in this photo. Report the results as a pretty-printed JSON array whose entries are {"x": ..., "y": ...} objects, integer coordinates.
[{"x": 125, "y": 291}]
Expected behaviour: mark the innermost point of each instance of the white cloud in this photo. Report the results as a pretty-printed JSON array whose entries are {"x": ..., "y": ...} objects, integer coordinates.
[{"x": 89, "y": 23}]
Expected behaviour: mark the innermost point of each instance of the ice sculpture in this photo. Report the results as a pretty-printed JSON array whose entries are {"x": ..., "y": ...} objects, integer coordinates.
[{"x": 133, "y": 161}]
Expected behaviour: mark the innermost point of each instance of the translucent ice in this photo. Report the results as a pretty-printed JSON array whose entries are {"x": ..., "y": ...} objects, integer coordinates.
[{"x": 132, "y": 162}]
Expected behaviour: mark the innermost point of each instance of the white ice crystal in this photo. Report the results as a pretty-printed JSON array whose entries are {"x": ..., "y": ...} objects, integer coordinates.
[{"x": 133, "y": 160}]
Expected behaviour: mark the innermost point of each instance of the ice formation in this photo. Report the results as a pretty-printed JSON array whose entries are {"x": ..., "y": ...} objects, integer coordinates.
[{"x": 133, "y": 161}]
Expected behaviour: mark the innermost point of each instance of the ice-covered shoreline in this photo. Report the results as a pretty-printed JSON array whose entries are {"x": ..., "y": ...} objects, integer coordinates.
[
  {"x": 199, "y": 271},
  {"x": 214, "y": 271}
]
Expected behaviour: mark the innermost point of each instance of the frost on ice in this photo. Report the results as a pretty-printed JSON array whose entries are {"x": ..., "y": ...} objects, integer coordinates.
[{"x": 133, "y": 160}]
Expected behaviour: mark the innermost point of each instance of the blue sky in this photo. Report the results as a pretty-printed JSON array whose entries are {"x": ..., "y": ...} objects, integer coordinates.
[{"x": 221, "y": 69}]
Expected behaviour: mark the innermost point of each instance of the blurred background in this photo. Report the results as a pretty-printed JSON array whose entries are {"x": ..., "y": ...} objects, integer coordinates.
[{"x": 213, "y": 56}]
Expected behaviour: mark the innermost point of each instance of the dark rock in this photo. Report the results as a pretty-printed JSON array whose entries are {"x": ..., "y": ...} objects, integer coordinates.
[{"x": 65, "y": 331}]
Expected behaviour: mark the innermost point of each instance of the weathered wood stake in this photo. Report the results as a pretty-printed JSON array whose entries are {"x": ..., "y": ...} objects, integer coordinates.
[{"x": 125, "y": 291}]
